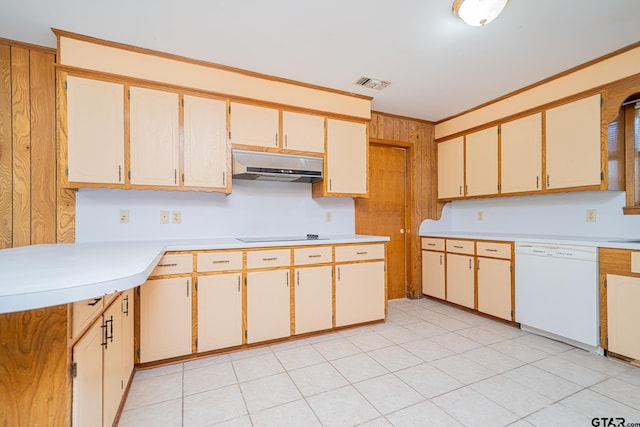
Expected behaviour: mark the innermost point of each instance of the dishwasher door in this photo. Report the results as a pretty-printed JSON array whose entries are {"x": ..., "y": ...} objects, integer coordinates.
[{"x": 557, "y": 292}]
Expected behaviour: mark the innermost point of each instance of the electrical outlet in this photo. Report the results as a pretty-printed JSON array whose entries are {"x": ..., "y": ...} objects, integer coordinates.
[
  {"x": 591, "y": 215},
  {"x": 164, "y": 217},
  {"x": 327, "y": 216},
  {"x": 124, "y": 216},
  {"x": 480, "y": 216},
  {"x": 176, "y": 217}
]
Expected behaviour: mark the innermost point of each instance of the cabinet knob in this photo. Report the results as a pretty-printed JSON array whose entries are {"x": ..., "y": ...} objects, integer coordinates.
[{"x": 402, "y": 231}]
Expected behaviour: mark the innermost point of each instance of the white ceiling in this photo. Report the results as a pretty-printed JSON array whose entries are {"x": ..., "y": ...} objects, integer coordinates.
[{"x": 438, "y": 66}]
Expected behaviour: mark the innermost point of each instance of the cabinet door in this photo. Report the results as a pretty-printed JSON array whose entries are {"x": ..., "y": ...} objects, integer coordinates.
[
  {"x": 87, "y": 384},
  {"x": 433, "y": 274},
  {"x": 165, "y": 318},
  {"x": 346, "y": 157},
  {"x": 95, "y": 131},
  {"x": 205, "y": 142},
  {"x": 494, "y": 287},
  {"x": 127, "y": 310},
  {"x": 482, "y": 162},
  {"x": 573, "y": 144},
  {"x": 450, "y": 168},
  {"x": 219, "y": 311},
  {"x": 360, "y": 293},
  {"x": 623, "y": 316},
  {"x": 268, "y": 305},
  {"x": 303, "y": 132},
  {"x": 461, "y": 280},
  {"x": 313, "y": 299},
  {"x": 113, "y": 386},
  {"x": 521, "y": 154},
  {"x": 154, "y": 138},
  {"x": 252, "y": 125}
]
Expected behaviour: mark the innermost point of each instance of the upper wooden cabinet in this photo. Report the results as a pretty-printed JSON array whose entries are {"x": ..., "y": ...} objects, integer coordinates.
[
  {"x": 521, "y": 155},
  {"x": 95, "y": 131},
  {"x": 253, "y": 125},
  {"x": 573, "y": 144},
  {"x": 303, "y": 132},
  {"x": 481, "y": 165},
  {"x": 205, "y": 142},
  {"x": 346, "y": 160},
  {"x": 154, "y": 138},
  {"x": 450, "y": 168}
]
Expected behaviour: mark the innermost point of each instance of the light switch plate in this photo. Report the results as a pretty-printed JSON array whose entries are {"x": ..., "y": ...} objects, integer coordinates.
[
  {"x": 176, "y": 217},
  {"x": 164, "y": 217},
  {"x": 124, "y": 216},
  {"x": 591, "y": 215}
]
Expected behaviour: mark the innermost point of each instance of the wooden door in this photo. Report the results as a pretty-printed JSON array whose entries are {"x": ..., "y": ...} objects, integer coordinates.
[
  {"x": 87, "y": 384},
  {"x": 346, "y": 157},
  {"x": 521, "y": 155},
  {"x": 154, "y": 137},
  {"x": 623, "y": 317},
  {"x": 303, "y": 132},
  {"x": 219, "y": 311},
  {"x": 433, "y": 274},
  {"x": 112, "y": 370},
  {"x": 359, "y": 292},
  {"x": 205, "y": 142},
  {"x": 384, "y": 212},
  {"x": 165, "y": 318},
  {"x": 253, "y": 125},
  {"x": 494, "y": 287},
  {"x": 313, "y": 299},
  {"x": 481, "y": 173},
  {"x": 95, "y": 131},
  {"x": 268, "y": 305},
  {"x": 461, "y": 280},
  {"x": 573, "y": 144},
  {"x": 450, "y": 168}
]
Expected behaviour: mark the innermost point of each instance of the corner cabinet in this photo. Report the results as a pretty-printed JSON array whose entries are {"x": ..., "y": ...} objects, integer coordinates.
[
  {"x": 346, "y": 164},
  {"x": 95, "y": 130}
]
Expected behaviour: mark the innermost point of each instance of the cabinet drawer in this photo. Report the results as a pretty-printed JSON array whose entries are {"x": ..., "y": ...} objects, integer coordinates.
[
  {"x": 219, "y": 261},
  {"x": 461, "y": 246},
  {"x": 315, "y": 255},
  {"x": 359, "y": 252},
  {"x": 493, "y": 250},
  {"x": 174, "y": 264},
  {"x": 432, "y": 244},
  {"x": 84, "y": 312},
  {"x": 635, "y": 262},
  {"x": 270, "y": 258}
]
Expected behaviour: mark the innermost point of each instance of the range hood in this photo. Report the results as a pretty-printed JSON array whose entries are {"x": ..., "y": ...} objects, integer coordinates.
[{"x": 276, "y": 167}]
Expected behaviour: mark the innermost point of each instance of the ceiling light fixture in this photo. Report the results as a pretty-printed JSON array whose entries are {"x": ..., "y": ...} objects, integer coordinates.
[{"x": 478, "y": 12}]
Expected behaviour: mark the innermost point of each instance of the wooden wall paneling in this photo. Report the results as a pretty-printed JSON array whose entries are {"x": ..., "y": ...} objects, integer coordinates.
[
  {"x": 21, "y": 134},
  {"x": 43, "y": 148},
  {"x": 33, "y": 366},
  {"x": 66, "y": 199},
  {"x": 6, "y": 150}
]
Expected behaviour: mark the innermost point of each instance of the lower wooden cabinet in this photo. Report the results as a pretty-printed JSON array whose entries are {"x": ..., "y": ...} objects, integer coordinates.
[
  {"x": 360, "y": 293},
  {"x": 623, "y": 316},
  {"x": 165, "y": 318},
  {"x": 494, "y": 287},
  {"x": 433, "y": 268},
  {"x": 313, "y": 299},
  {"x": 103, "y": 364},
  {"x": 268, "y": 305},
  {"x": 461, "y": 280},
  {"x": 219, "y": 311}
]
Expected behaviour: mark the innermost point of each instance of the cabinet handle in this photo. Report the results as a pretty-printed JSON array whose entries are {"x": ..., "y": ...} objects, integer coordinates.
[
  {"x": 125, "y": 303},
  {"x": 440, "y": 259},
  {"x": 107, "y": 327},
  {"x": 238, "y": 283},
  {"x": 168, "y": 265},
  {"x": 119, "y": 173},
  {"x": 224, "y": 178},
  {"x": 95, "y": 301},
  {"x": 298, "y": 277},
  {"x": 175, "y": 176},
  {"x": 329, "y": 184},
  {"x": 460, "y": 191},
  {"x": 187, "y": 288},
  {"x": 270, "y": 259},
  {"x": 276, "y": 139},
  {"x": 537, "y": 182},
  {"x": 466, "y": 189},
  {"x": 221, "y": 261},
  {"x": 457, "y": 247},
  {"x": 470, "y": 266},
  {"x": 287, "y": 279},
  {"x": 491, "y": 250},
  {"x": 362, "y": 253},
  {"x": 547, "y": 180},
  {"x": 338, "y": 273},
  {"x": 431, "y": 244},
  {"x": 315, "y": 256},
  {"x": 285, "y": 140},
  {"x": 478, "y": 263}
]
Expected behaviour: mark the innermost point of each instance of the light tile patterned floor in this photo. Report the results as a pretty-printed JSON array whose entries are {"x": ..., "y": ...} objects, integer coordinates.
[{"x": 429, "y": 364}]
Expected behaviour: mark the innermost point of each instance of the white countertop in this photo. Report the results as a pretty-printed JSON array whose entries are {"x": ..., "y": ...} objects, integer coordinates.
[
  {"x": 600, "y": 242},
  {"x": 45, "y": 275}
]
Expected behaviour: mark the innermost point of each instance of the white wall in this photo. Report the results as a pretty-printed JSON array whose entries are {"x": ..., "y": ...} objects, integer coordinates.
[
  {"x": 550, "y": 214},
  {"x": 253, "y": 209}
]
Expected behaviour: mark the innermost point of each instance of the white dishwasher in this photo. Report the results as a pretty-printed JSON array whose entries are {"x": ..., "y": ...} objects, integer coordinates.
[{"x": 557, "y": 293}]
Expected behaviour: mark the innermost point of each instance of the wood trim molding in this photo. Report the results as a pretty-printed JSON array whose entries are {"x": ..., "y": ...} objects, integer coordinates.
[{"x": 29, "y": 46}]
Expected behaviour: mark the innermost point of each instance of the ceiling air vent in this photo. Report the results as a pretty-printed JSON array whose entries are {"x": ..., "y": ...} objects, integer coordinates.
[{"x": 372, "y": 83}]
